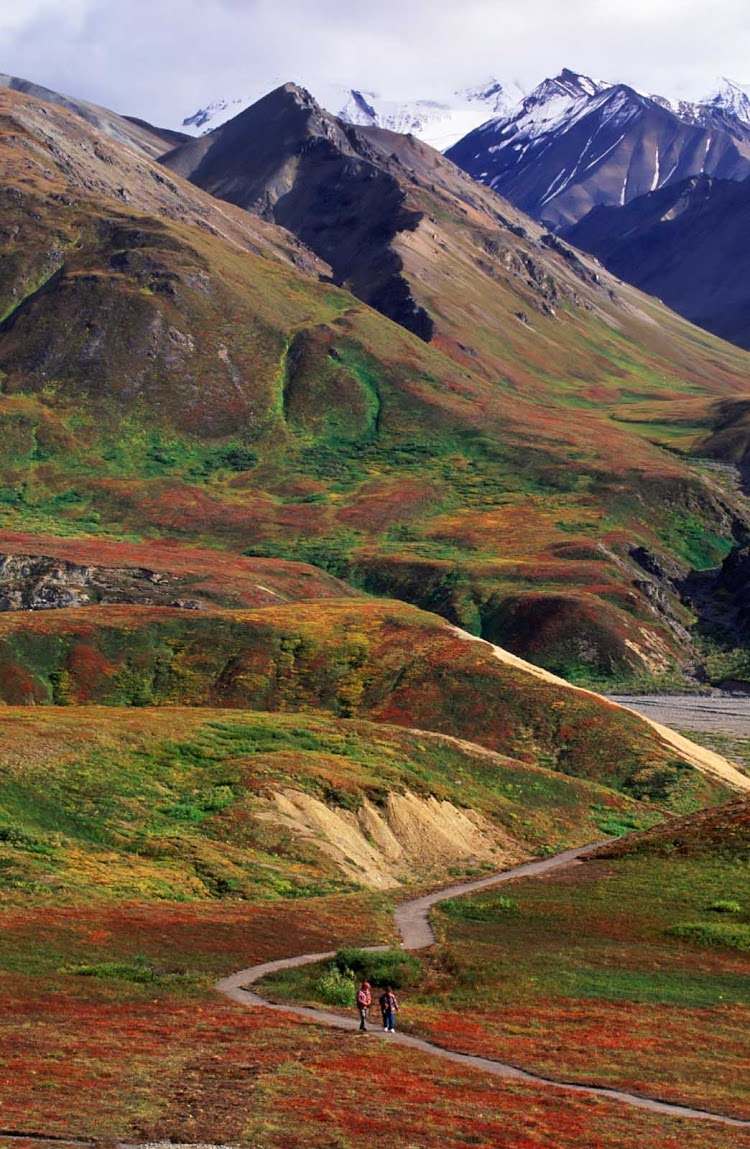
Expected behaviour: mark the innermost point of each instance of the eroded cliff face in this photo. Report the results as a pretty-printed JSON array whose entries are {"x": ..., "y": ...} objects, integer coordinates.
[
  {"x": 38, "y": 582},
  {"x": 386, "y": 846}
]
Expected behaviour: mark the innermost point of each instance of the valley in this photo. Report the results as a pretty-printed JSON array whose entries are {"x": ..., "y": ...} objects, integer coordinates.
[{"x": 338, "y": 497}]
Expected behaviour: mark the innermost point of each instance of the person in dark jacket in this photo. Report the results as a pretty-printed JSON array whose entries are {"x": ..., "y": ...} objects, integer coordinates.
[
  {"x": 364, "y": 1001},
  {"x": 389, "y": 1009}
]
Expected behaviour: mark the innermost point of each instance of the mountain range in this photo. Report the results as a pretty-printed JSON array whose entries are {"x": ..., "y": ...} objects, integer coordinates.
[
  {"x": 653, "y": 188},
  {"x": 439, "y": 122},
  {"x": 574, "y": 144},
  {"x": 359, "y": 356},
  {"x": 332, "y": 488}
]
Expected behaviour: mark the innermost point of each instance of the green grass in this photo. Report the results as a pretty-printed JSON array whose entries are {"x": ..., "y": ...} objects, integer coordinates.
[
  {"x": 385, "y": 967},
  {"x": 473, "y": 909},
  {"x": 613, "y": 824},
  {"x": 617, "y": 922},
  {"x": 164, "y": 805},
  {"x": 728, "y": 935},
  {"x": 335, "y": 983},
  {"x": 613, "y": 973},
  {"x": 140, "y": 971}
]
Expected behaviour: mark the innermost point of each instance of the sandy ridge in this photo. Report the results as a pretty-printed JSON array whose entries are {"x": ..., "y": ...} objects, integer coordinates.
[{"x": 702, "y": 759}]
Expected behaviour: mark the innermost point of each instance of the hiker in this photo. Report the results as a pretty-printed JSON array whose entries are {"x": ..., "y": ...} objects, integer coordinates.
[
  {"x": 389, "y": 1009},
  {"x": 364, "y": 1001}
]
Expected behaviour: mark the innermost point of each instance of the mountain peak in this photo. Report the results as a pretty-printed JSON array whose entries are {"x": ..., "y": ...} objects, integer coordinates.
[
  {"x": 293, "y": 89},
  {"x": 439, "y": 122},
  {"x": 566, "y": 89},
  {"x": 576, "y": 142},
  {"x": 290, "y": 103},
  {"x": 293, "y": 93},
  {"x": 576, "y": 82},
  {"x": 730, "y": 98}
]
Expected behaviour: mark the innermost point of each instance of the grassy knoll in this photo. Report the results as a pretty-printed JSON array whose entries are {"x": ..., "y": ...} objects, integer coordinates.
[
  {"x": 173, "y": 805},
  {"x": 382, "y": 661},
  {"x": 723, "y": 831}
]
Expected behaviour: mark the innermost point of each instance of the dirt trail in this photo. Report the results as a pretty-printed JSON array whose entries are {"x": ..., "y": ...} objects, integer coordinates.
[{"x": 412, "y": 920}]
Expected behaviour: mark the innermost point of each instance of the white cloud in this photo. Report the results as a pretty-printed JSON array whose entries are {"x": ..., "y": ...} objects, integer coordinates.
[{"x": 163, "y": 58}]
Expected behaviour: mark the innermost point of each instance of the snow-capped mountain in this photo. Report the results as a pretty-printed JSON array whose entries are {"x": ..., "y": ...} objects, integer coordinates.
[
  {"x": 731, "y": 99},
  {"x": 730, "y": 102},
  {"x": 574, "y": 143},
  {"x": 569, "y": 145},
  {"x": 439, "y": 123},
  {"x": 215, "y": 114}
]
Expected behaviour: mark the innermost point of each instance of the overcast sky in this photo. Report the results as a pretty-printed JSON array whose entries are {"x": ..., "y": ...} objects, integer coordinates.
[{"x": 162, "y": 59}]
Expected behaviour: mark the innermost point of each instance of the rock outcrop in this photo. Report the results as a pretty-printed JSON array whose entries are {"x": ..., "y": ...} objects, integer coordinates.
[{"x": 38, "y": 582}]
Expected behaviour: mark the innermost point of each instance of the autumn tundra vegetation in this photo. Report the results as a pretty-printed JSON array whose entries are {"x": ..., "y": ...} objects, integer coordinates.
[{"x": 273, "y": 551}]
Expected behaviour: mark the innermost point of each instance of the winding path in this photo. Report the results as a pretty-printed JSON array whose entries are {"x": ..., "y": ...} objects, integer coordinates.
[{"x": 412, "y": 920}]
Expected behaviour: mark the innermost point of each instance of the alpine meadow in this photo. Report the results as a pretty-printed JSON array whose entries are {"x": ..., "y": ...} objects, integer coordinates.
[{"x": 338, "y": 498}]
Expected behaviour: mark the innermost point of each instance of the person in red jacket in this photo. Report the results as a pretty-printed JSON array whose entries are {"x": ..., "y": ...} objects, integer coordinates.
[
  {"x": 364, "y": 1001},
  {"x": 389, "y": 1009}
]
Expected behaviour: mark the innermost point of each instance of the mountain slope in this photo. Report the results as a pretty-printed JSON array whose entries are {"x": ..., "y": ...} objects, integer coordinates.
[
  {"x": 175, "y": 368},
  {"x": 138, "y": 134},
  {"x": 271, "y": 158},
  {"x": 575, "y": 144},
  {"x": 686, "y": 244}
]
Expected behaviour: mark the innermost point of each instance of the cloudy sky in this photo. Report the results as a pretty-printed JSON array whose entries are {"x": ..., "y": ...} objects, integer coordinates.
[{"x": 162, "y": 59}]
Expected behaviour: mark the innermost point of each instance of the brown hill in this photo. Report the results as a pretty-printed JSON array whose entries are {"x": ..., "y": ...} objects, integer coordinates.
[{"x": 138, "y": 134}]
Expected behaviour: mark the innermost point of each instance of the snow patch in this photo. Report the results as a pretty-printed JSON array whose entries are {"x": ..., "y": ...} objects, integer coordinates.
[
  {"x": 611, "y": 148},
  {"x": 655, "y": 181},
  {"x": 624, "y": 190}
]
